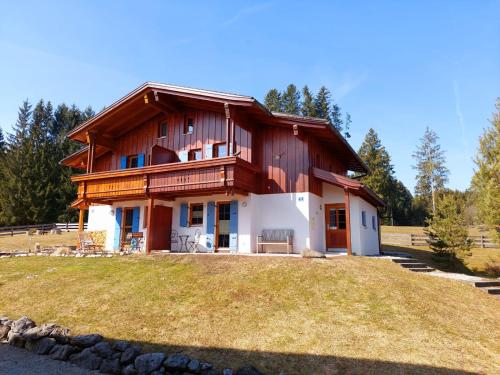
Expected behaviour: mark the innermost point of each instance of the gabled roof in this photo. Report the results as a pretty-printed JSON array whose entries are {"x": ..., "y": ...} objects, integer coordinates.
[{"x": 131, "y": 109}]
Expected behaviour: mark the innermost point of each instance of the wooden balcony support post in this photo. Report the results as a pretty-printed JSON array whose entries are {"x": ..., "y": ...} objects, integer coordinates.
[
  {"x": 228, "y": 121},
  {"x": 91, "y": 153},
  {"x": 80, "y": 219},
  {"x": 149, "y": 219},
  {"x": 347, "y": 203}
]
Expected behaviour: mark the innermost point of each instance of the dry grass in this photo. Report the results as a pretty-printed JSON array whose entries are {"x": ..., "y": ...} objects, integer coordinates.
[
  {"x": 315, "y": 316},
  {"x": 23, "y": 242},
  {"x": 473, "y": 230}
]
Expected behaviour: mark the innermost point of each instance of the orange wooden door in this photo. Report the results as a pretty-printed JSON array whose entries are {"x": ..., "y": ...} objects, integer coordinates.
[
  {"x": 336, "y": 228},
  {"x": 161, "y": 228}
]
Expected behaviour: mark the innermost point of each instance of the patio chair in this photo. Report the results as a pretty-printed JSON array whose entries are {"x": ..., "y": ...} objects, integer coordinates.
[
  {"x": 174, "y": 239},
  {"x": 193, "y": 244}
]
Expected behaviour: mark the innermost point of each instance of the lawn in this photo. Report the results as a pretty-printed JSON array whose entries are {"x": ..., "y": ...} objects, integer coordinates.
[
  {"x": 315, "y": 316},
  {"x": 473, "y": 230},
  {"x": 23, "y": 242}
]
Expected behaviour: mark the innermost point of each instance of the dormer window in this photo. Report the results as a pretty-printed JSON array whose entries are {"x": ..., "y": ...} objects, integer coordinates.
[
  {"x": 162, "y": 129},
  {"x": 188, "y": 125}
]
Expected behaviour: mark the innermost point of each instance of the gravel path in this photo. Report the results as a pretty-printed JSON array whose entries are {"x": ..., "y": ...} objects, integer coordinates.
[{"x": 15, "y": 361}]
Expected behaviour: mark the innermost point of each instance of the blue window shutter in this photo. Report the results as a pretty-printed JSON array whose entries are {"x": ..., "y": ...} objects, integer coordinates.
[
  {"x": 210, "y": 225},
  {"x": 123, "y": 162},
  {"x": 209, "y": 151},
  {"x": 118, "y": 225},
  {"x": 183, "y": 155},
  {"x": 233, "y": 225},
  {"x": 140, "y": 160},
  {"x": 184, "y": 215},
  {"x": 135, "y": 219}
]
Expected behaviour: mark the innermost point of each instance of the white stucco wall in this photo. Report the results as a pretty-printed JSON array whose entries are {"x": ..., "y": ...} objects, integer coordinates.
[
  {"x": 102, "y": 218},
  {"x": 364, "y": 239}
]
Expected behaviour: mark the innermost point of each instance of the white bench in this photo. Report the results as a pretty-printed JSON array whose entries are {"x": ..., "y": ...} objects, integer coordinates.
[{"x": 276, "y": 238}]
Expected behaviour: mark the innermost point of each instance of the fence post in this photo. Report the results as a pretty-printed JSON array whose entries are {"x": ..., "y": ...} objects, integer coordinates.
[
  {"x": 411, "y": 239},
  {"x": 482, "y": 242}
]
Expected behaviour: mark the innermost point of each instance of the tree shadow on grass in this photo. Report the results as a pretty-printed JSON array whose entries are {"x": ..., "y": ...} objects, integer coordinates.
[{"x": 294, "y": 364}]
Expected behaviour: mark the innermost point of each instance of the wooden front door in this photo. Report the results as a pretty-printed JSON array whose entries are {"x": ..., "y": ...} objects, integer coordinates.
[
  {"x": 336, "y": 228},
  {"x": 161, "y": 228},
  {"x": 127, "y": 223},
  {"x": 222, "y": 222}
]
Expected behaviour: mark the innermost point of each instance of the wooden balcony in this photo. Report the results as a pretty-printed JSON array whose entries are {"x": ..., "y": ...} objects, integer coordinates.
[{"x": 218, "y": 175}]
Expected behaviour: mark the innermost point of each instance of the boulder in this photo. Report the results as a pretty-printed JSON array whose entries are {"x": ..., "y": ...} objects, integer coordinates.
[
  {"x": 248, "y": 370},
  {"x": 4, "y": 331},
  {"x": 149, "y": 362},
  {"x": 85, "y": 341},
  {"x": 15, "y": 339},
  {"x": 57, "y": 332},
  {"x": 205, "y": 366},
  {"x": 110, "y": 366},
  {"x": 161, "y": 371},
  {"x": 3, "y": 319},
  {"x": 34, "y": 333},
  {"x": 103, "y": 349},
  {"x": 129, "y": 370},
  {"x": 42, "y": 346},
  {"x": 86, "y": 359},
  {"x": 194, "y": 366},
  {"x": 129, "y": 355},
  {"x": 177, "y": 362},
  {"x": 227, "y": 371},
  {"x": 22, "y": 324},
  {"x": 62, "y": 352},
  {"x": 121, "y": 345}
]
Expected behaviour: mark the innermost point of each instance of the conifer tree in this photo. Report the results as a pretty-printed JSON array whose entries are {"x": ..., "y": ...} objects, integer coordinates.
[
  {"x": 347, "y": 128},
  {"x": 273, "y": 101},
  {"x": 322, "y": 104},
  {"x": 432, "y": 173},
  {"x": 486, "y": 179},
  {"x": 290, "y": 100},
  {"x": 3, "y": 146},
  {"x": 336, "y": 117},
  {"x": 308, "y": 107}
]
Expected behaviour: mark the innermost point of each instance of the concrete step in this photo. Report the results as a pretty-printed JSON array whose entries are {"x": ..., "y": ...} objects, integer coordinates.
[
  {"x": 494, "y": 291},
  {"x": 413, "y": 265},
  {"x": 426, "y": 269},
  {"x": 486, "y": 284},
  {"x": 409, "y": 260}
]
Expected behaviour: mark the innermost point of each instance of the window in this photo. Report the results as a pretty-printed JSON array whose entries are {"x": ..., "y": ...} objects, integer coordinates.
[
  {"x": 195, "y": 154},
  {"x": 196, "y": 214},
  {"x": 162, "y": 130},
  {"x": 132, "y": 161},
  {"x": 374, "y": 223},
  {"x": 363, "y": 218},
  {"x": 219, "y": 150},
  {"x": 188, "y": 125}
]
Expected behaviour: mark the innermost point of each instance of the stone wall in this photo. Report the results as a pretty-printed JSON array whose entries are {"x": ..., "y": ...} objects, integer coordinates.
[{"x": 93, "y": 352}]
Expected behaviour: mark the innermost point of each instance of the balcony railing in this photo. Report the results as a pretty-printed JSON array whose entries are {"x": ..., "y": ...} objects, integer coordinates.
[{"x": 174, "y": 179}]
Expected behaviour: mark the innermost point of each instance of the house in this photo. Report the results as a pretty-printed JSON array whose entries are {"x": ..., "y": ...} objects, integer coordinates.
[{"x": 167, "y": 158}]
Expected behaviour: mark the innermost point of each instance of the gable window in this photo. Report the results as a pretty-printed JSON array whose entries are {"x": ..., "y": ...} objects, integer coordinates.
[
  {"x": 195, "y": 154},
  {"x": 219, "y": 150},
  {"x": 196, "y": 214},
  {"x": 363, "y": 218},
  {"x": 132, "y": 161},
  {"x": 188, "y": 125},
  {"x": 162, "y": 130},
  {"x": 374, "y": 223}
]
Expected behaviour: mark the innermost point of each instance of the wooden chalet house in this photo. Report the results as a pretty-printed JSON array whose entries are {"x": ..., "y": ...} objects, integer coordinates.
[{"x": 168, "y": 159}]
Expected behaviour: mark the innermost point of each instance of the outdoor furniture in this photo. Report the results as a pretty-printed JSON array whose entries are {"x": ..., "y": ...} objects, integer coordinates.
[
  {"x": 193, "y": 244},
  {"x": 87, "y": 244},
  {"x": 183, "y": 241},
  {"x": 132, "y": 241},
  {"x": 277, "y": 239},
  {"x": 174, "y": 239}
]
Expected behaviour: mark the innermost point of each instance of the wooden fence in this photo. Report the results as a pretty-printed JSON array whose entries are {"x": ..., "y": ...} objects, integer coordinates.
[
  {"x": 23, "y": 229},
  {"x": 410, "y": 239}
]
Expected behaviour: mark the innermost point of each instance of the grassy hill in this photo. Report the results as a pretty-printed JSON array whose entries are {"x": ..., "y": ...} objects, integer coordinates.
[{"x": 315, "y": 316}]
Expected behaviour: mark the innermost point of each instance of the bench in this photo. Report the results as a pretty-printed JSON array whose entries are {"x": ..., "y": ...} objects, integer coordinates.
[{"x": 277, "y": 238}]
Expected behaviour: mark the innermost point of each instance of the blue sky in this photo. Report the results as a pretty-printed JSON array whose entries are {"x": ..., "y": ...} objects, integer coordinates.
[{"x": 396, "y": 66}]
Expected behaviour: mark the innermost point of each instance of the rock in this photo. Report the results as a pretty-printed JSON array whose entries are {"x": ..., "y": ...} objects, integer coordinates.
[
  {"x": 86, "y": 359},
  {"x": 194, "y": 365},
  {"x": 129, "y": 370},
  {"x": 161, "y": 371},
  {"x": 149, "y": 362},
  {"x": 57, "y": 332},
  {"x": 103, "y": 349},
  {"x": 22, "y": 324},
  {"x": 4, "y": 331},
  {"x": 34, "y": 333},
  {"x": 8, "y": 323},
  {"x": 110, "y": 366},
  {"x": 85, "y": 341},
  {"x": 248, "y": 370},
  {"x": 205, "y": 366},
  {"x": 3, "y": 319},
  {"x": 227, "y": 371},
  {"x": 129, "y": 355},
  {"x": 121, "y": 345},
  {"x": 42, "y": 346},
  {"x": 177, "y": 362},
  {"x": 211, "y": 372},
  {"x": 15, "y": 339},
  {"x": 62, "y": 352}
]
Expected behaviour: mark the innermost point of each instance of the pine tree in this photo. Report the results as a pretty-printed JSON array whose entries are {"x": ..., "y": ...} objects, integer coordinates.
[
  {"x": 432, "y": 173},
  {"x": 290, "y": 100},
  {"x": 347, "y": 128},
  {"x": 308, "y": 108},
  {"x": 486, "y": 179},
  {"x": 322, "y": 104},
  {"x": 3, "y": 146},
  {"x": 273, "y": 101},
  {"x": 336, "y": 117}
]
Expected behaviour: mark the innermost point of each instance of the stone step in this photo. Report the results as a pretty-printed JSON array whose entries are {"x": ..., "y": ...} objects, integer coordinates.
[
  {"x": 426, "y": 269},
  {"x": 413, "y": 265},
  {"x": 495, "y": 291},
  {"x": 406, "y": 260},
  {"x": 486, "y": 284}
]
